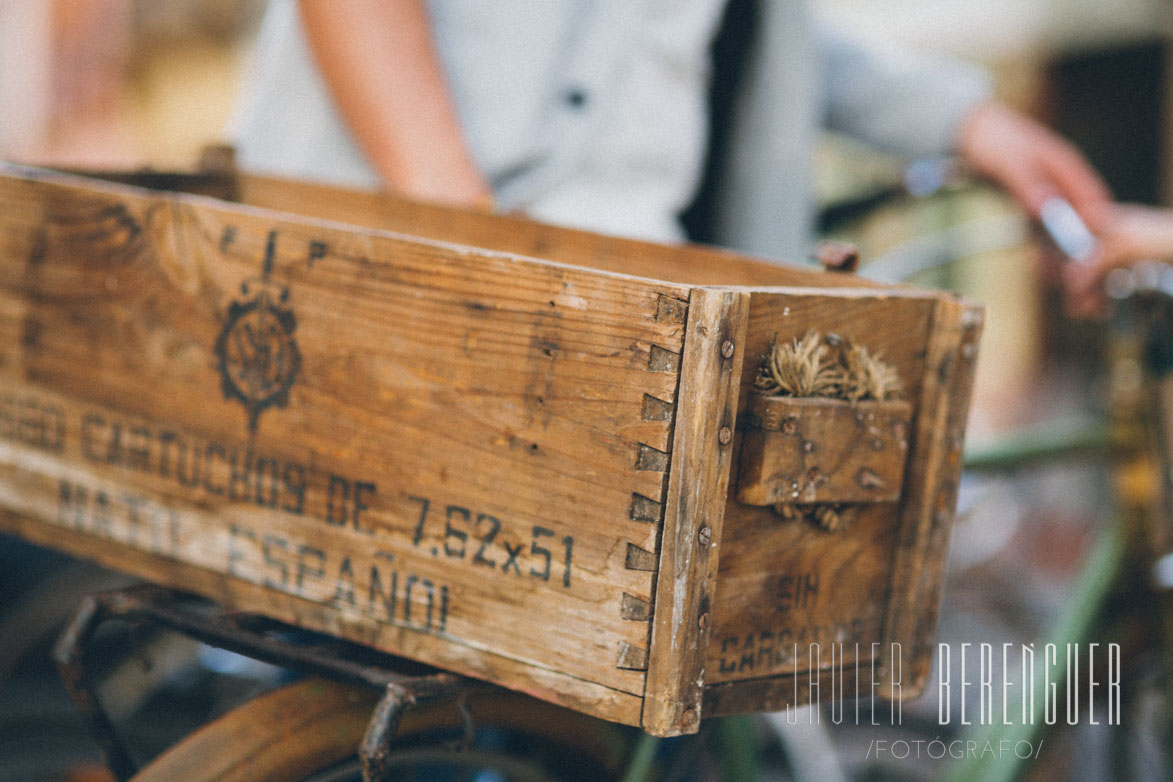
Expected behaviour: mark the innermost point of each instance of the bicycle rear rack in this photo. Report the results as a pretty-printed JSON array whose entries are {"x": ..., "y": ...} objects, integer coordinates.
[{"x": 404, "y": 684}]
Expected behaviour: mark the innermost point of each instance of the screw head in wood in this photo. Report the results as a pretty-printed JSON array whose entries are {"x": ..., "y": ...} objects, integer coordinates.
[
  {"x": 703, "y": 621},
  {"x": 705, "y": 535},
  {"x": 725, "y": 435},
  {"x": 727, "y": 348}
]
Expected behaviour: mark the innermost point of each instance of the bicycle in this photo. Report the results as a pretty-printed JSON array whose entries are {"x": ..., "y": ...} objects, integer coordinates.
[{"x": 641, "y": 753}]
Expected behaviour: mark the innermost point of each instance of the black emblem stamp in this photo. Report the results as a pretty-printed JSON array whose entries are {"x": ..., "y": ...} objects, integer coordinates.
[{"x": 258, "y": 354}]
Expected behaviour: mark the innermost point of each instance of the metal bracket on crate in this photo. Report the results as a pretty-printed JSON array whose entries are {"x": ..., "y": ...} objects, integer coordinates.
[
  {"x": 823, "y": 435},
  {"x": 821, "y": 458},
  {"x": 405, "y": 685}
]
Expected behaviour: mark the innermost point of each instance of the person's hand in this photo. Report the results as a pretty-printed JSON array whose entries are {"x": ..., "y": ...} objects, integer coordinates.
[
  {"x": 1129, "y": 233},
  {"x": 1035, "y": 165},
  {"x": 1031, "y": 162}
]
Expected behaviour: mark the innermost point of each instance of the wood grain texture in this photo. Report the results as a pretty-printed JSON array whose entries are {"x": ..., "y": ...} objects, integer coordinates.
[
  {"x": 466, "y": 424},
  {"x": 697, "y": 489},
  {"x": 508, "y": 233},
  {"x": 514, "y": 234},
  {"x": 289, "y": 733},
  {"x": 929, "y": 505},
  {"x": 784, "y": 585},
  {"x": 556, "y": 687},
  {"x": 399, "y": 424},
  {"x": 792, "y": 598}
]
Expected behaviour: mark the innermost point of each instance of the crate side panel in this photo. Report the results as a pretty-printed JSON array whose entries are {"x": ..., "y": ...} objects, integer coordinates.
[
  {"x": 784, "y": 585},
  {"x": 327, "y": 411}
]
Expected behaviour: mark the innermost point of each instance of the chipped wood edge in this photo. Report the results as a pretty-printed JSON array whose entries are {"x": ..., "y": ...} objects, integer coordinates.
[
  {"x": 930, "y": 503},
  {"x": 706, "y": 405}
]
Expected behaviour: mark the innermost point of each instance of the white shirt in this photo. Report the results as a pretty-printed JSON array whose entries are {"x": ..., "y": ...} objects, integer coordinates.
[
  {"x": 593, "y": 113},
  {"x": 589, "y": 113}
]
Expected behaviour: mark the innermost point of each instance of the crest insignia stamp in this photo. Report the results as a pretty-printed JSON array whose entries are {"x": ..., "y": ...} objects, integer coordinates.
[{"x": 257, "y": 350}]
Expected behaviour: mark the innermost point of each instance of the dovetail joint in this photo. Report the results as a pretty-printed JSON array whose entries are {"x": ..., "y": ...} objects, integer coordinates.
[
  {"x": 632, "y": 658},
  {"x": 645, "y": 509},
  {"x": 670, "y": 310},
  {"x": 651, "y": 459},
  {"x": 635, "y": 609},
  {"x": 656, "y": 409},
  {"x": 639, "y": 558},
  {"x": 663, "y": 360}
]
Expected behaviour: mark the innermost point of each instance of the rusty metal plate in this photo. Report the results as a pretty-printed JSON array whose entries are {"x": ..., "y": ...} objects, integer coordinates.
[{"x": 814, "y": 450}]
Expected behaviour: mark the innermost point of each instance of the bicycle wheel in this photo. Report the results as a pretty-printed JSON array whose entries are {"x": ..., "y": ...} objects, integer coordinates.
[{"x": 310, "y": 731}]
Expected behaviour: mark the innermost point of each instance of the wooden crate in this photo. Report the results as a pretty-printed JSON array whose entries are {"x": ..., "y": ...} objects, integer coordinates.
[{"x": 505, "y": 449}]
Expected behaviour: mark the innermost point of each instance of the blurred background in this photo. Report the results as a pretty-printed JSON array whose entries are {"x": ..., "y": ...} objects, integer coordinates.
[
  {"x": 120, "y": 83},
  {"x": 135, "y": 83},
  {"x": 148, "y": 83}
]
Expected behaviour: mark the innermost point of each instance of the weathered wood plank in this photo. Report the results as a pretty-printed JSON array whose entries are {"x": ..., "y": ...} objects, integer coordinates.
[
  {"x": 515, "y": 234},
  {"x": 517, "y": 469},
  {"x": 926, "y": 520},
  {"x": 790, "y": 585},
  {"x": 786, "y": 584},
  {"x": 546, "y": 684},
  {"x": 475, "y": 418},
  {"x": 509, "y": 233},
  {"x": 697, "y": 489}
]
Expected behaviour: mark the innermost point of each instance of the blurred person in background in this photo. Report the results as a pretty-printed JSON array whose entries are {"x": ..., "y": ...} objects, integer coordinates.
[
  {"x": 25, "y": 73},
  {"x": 117, "y": 83},
  {"x": 595, "y": 114},
  {"x": 590, "y": 114},
  {"x": 63, "y": 68}
]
